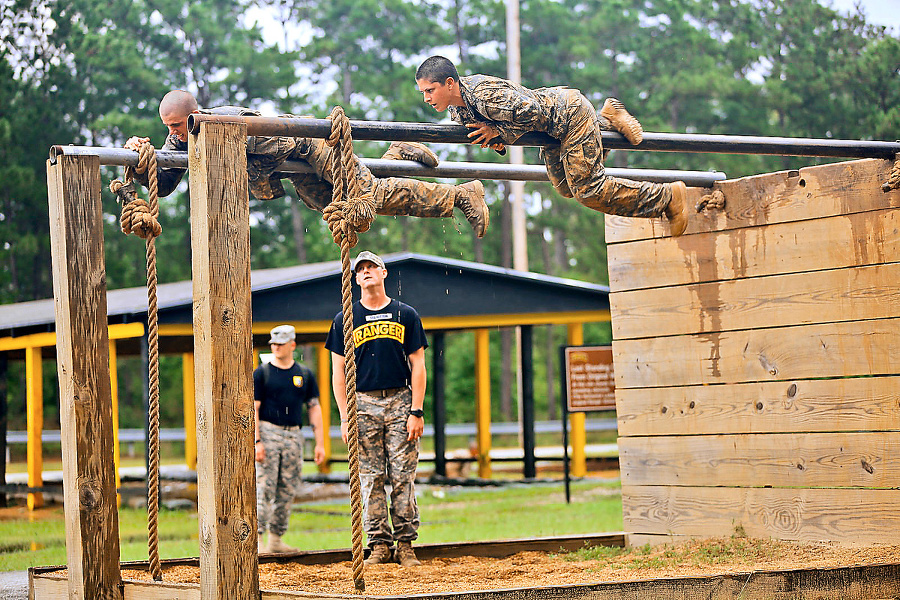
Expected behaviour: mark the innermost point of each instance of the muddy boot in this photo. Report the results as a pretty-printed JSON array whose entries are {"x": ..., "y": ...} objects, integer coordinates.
[
  {"x": 470, "y": 200},
  {"x": 622, "y": 121},
  {"x": 275, "y": 545},
  {"x": 381, "y": 553},
  {"x": 411, "y": 151},
  {"x": 406, "y": 556},
  {"x": 266, "y": 188},
  {"x": 677, "y": 210}
]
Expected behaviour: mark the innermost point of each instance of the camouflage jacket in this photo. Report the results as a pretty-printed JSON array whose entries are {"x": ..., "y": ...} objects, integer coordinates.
[
  {"x": 264, "y": 154},
  {"x": 511, "y": 108}
]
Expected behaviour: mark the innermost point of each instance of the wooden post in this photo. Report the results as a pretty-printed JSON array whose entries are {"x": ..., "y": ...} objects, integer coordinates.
[
  {"x": 82, "y": 350},
  {"x": 483, "y": 401},
  {"x": 190, "y": 410},
  {"x": 223, "y": 340},
  {"x": 4, "y": 420},
  {"x": 576, "y": 419},
  {"x": 323, "y": 374},
  {"x": 34, "y": 407}
]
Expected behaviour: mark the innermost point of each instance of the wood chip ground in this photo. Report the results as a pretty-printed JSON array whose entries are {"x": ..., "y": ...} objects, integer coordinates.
[{"x": 538, "y": 569}]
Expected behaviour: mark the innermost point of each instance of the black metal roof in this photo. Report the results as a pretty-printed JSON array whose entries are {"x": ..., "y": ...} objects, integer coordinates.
[{"x": 437, "y": 287}]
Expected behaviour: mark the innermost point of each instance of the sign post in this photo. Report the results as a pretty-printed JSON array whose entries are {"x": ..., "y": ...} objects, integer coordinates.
[{"x": 588, "y": 384}]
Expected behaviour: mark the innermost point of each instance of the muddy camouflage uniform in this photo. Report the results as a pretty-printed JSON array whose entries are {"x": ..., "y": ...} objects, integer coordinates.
[
  {"x": 382, "y": 426},
  {"x": 393, "y": 195},
  {"x": 575, "y": 167}
]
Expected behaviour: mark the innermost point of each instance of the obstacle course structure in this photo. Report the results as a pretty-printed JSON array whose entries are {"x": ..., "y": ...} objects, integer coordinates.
[{"x": 222, "y": 340}]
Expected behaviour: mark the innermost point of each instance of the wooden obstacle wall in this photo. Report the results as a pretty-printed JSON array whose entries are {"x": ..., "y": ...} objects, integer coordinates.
[{"x": 757, "y": 361}]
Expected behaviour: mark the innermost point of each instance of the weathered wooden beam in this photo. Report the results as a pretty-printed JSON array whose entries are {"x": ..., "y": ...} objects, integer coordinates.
[
  {"x": 407, "y": 168},
  {"x": 220, "y": 244},
  {"x": 657, "y": 142},
  {"x": 79, "y": 290}
]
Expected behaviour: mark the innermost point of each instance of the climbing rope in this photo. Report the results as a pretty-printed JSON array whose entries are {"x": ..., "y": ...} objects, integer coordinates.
[
  {"x": 141, "y": 218},
  {"x": 893, "y": 181},
  {"x": 351, "y": 212},
  {"x": 712, "y": 201}
]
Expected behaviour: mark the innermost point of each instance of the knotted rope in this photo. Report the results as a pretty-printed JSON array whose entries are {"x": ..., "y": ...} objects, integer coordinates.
[
  {"x": 712, "y": 201},
  {"x": 141, "y": 218},
  {"x": 351, "y": 212},
  {"x": 893, "y": 181}
]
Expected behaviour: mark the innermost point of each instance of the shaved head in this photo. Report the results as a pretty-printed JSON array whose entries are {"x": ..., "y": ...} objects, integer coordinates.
[{"x": 177, "y": 103}]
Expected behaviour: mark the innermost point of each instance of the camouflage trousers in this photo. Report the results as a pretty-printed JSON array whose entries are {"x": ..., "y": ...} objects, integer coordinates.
[
  {"x": 575, "y": 169},
  {"x": 387, "y": 457},
  {"x": 278, "y": 476},
  {"x": 394, "y": 196}
]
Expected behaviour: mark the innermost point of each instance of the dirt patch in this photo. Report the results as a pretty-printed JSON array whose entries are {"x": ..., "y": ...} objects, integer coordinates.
[{"x": 534, "y": 569}]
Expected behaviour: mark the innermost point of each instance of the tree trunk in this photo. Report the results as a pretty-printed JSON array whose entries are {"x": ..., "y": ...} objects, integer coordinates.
[{"x": 299, "y": 231}]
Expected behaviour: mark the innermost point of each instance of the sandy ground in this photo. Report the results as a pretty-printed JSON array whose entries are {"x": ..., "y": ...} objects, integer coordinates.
[{"x": 533, "y": 569}]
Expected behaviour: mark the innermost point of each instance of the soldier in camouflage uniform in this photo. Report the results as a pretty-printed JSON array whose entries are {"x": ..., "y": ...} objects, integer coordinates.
[
  {"x": 393, "y": 195},
  {"x": 389, "y": 349},
  {"x": 283, "y": 390},
  {"x": 499, "y": 112}
]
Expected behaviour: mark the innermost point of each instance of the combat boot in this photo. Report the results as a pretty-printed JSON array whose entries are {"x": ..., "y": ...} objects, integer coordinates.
[
  {"x": 622, "y": 121},
  {"x": 381, "y": 553},
  {"x": 470, "y": 200},
  {"x": 677, "y": 210},
  {"x": 275, "y": 545},
  {"x": 406, "y": 556},
  {"x": 266, "y": 188},
  {"x": 411, "y": 151}
]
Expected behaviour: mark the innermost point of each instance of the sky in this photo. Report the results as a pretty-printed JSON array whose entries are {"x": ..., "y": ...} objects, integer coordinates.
[{"x": 878, "y": 12}]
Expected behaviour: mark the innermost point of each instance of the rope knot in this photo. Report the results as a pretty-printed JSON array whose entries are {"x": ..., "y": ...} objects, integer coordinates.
[
  {"x": 893, "y": 181},
  {"x": 713, "y": 201},
  {"x": 137, "y": 218}
]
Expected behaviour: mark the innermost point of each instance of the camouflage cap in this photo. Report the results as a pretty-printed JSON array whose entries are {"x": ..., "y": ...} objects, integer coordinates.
[
  {"x": 369, "y": 256},
  {"x": 282, "y": 334}
]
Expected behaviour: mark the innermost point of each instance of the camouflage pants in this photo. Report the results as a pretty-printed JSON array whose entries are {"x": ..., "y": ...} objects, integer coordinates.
[
  {"x": 394, "y": 196},
  {"x": 575, "y": 169},
  {"x": 278, "y": 476},
  {"x": 387, "y": 457}
]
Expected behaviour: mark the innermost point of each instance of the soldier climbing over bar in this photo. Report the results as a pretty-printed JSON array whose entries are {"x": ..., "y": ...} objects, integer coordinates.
[
  {"x": 500, "y": 111},
  {"x": 394, "y": 196}
]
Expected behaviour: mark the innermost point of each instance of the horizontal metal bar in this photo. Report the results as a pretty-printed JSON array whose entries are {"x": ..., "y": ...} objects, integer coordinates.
[
  {"x": 405, "y": 168},
  {"x": 657, "y": 142}
]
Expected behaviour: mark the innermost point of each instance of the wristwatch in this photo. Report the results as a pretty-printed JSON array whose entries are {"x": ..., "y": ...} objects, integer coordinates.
[{"x": 417, "y": 412}]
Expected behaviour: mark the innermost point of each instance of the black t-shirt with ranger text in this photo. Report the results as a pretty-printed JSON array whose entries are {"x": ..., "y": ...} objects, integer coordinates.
[
  {"x": 383, "y": 339},
  {"x": 284, "y": 394}
]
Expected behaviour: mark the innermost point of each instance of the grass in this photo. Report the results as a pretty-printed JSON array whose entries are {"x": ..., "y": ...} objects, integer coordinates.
[{"x": 447, "y": 515}]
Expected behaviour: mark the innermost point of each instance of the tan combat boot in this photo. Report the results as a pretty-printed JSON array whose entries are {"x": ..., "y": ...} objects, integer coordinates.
[
  {"x": 381, "y": 553},
  {"x": 406, "y": 556},
  {"x": 622, "y": 121},
  {"x": 411, "y": 151},
  {"x": 276, "y": 546},
  {"x": 677, "y": 211},
  {"x": 470, "y": 200}
]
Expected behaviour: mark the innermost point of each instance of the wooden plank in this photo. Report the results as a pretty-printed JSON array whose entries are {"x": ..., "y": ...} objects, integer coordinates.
[
  {"x": 167, "y": 590},
  {"x": 822, "y": 244},
  {"x": 220, "y": 237},
  {"x": 781, "y": 354},
  {"x": 483, "y": 401},
  {"x": 855, "y": 404},
  {"x": 824, "y": 460},
  {"x": 849, "y": 294},
  {"x": 782, "y": 197},
  {"x": 82, "y": 351},
  {"x": 845, "y": 516}
]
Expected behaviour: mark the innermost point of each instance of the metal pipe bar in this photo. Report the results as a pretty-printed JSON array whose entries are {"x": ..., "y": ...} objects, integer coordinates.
[
  {"x": 656, "y": 142},
  {"x": 405, "y": 168}
]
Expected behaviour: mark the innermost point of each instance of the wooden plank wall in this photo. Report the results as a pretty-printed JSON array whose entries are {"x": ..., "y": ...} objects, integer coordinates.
[{"x": 758, "y": 361}]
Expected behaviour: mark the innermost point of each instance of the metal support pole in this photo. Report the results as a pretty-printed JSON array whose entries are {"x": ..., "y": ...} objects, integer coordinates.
[
  {"x": 439, "y": 405},
  {"x": 656, "y": 142},
  {"x": 529, "y": 468},
  {"x": 404, "y": 168}
]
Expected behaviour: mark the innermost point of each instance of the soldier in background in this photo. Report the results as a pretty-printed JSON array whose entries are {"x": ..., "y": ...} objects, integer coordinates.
[
  {"x": 283, "y": 390},
  {"x": 389, "y": 349}
]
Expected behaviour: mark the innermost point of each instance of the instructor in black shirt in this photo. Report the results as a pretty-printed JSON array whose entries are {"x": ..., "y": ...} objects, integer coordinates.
[{"x": 389, "y": 349}]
